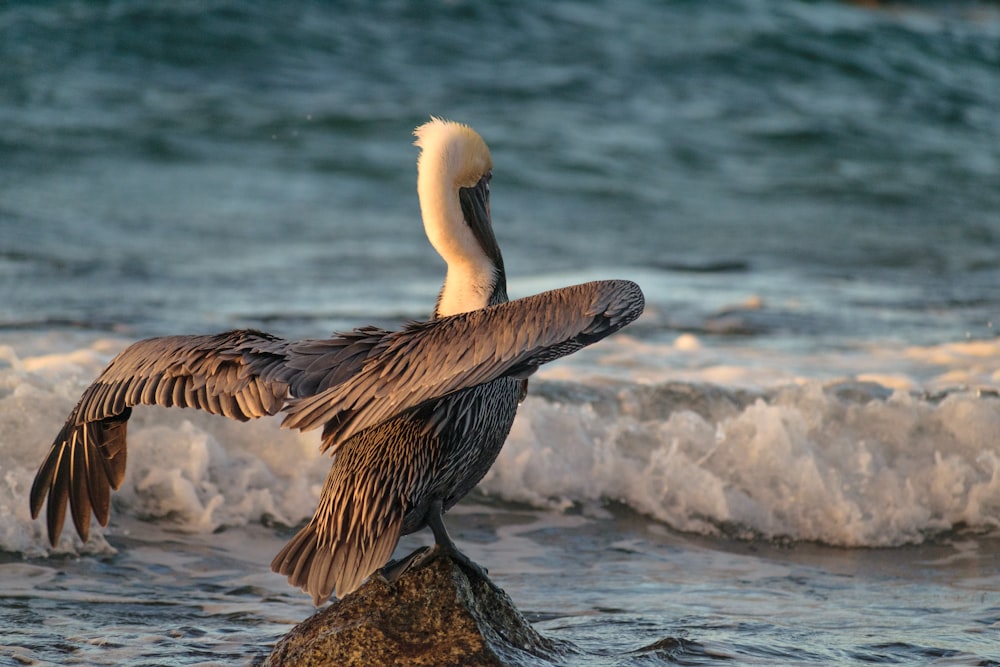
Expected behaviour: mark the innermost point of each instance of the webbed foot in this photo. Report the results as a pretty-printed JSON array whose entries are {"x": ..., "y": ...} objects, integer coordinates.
[
  {"x": 424, "y": 556},
  {"x": 395, "y": 569}
]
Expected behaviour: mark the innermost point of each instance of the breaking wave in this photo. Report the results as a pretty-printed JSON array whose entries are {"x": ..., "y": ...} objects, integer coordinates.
[{"x": 849, "y": 463}]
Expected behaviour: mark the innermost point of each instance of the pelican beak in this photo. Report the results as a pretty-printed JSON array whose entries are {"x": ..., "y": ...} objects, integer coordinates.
[{"x": 475, "y": 202}]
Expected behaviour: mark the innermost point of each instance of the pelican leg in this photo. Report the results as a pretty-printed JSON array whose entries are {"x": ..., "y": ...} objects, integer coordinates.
[{"x": 443, "y": 546}]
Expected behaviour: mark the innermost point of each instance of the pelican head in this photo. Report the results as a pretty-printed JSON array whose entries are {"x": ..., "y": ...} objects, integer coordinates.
[{"x": 453, "y": 182}]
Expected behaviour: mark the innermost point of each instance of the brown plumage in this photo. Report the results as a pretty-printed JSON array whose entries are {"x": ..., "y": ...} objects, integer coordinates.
[{"x": 414, "y": 418}]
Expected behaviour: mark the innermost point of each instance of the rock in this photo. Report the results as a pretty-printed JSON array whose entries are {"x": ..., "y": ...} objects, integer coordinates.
[{"x": 440, "y": 615}]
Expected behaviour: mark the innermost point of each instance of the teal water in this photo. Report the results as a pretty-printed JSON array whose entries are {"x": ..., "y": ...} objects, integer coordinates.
[
  {"x": 201, "y": 152},
  {"x": 792, "y": 458}
]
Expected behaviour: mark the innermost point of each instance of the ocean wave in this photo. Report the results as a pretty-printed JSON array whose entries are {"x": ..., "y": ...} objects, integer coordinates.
[{"x": 848, "y": 463}]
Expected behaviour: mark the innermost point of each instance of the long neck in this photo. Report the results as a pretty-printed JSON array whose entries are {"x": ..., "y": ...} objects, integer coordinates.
[
  {"x": 473, "y": 280},
  {"x": 466, "y": 289}
]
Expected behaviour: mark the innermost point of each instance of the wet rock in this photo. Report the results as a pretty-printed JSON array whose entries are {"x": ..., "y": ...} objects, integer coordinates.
[{"x": 440, "y": 615}]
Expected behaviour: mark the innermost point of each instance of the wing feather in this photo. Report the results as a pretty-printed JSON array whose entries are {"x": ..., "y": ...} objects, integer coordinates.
[
  {"x": 213, "y": 373},
  {"x": 55, "y": 513},
  {"x": 432, "y": 359},
  {"x": 100, "y": 479},
  {"x": 79, "y": 498}
]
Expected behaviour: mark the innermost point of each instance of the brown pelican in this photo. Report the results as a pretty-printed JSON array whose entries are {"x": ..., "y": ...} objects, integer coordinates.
[{"x": 413, "y": 418}]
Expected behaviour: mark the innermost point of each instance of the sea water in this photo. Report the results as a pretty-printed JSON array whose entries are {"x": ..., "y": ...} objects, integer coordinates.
[{"x": 793, "y": 457}]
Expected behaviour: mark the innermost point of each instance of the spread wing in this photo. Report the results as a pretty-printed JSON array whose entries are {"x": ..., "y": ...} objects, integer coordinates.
[
  {"x": 346, "y": 383},
  {"x": 240, "y": 374},
  {"x": 431, "y": 359}
]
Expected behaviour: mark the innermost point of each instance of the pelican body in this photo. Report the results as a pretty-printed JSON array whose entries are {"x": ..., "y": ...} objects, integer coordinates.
[{"x": 413, "y": 418}]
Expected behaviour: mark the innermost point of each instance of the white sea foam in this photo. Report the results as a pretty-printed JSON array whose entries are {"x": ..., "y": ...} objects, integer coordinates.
[
  {"x": 842, "y": 460},
  {"x": 847, "y": 464}
]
